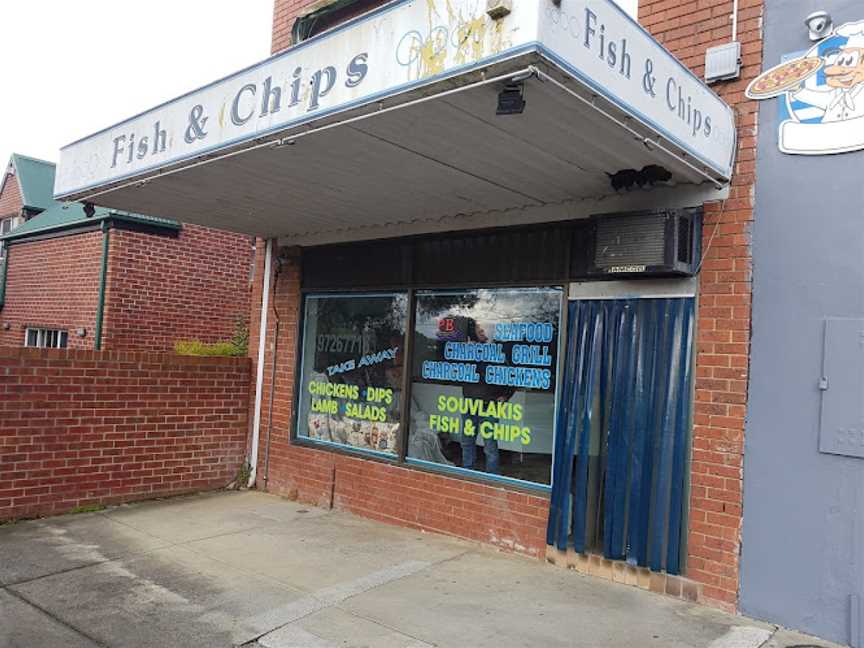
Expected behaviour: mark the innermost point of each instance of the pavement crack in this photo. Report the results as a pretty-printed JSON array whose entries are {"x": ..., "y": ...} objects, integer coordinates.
[
  {"x": 56, "y": 618},
  {"x": 334, "y": 595},
  {"x": 767, "y": 642},
  {"x": 389, "y": 627}
]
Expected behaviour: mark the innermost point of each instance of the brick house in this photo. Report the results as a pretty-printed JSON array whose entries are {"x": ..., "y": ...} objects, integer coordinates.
[
  {"x": 503, "y": 271},
  {"x": 25, "y": 190},
  {"x": 111, "y": 280}
]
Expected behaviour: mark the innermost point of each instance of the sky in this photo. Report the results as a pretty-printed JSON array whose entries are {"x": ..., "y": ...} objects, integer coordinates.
[
  {"x": 629, "y": 5},
  {"x": 73, "y": 67}
]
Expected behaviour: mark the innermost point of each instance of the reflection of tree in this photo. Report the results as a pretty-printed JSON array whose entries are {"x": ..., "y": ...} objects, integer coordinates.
[
  {"x": 397, "y": 318},
  {"x": 424, "y": 349},
  {"x": 491, "y": 306},
  {"x": 435, "y": 305},
  {"x": 378, "y": 321},
  {"x": 486, "y": 306}
]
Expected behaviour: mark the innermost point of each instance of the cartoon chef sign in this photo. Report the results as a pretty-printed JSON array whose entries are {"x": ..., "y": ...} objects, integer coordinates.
[{"x": 821, "y": 93}]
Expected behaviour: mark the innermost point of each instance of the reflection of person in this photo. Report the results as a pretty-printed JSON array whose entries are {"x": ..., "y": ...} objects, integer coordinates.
[{"x": 485, "y": 392}]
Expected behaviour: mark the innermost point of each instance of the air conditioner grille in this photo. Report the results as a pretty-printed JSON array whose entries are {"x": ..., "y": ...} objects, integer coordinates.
[{"x": 625, "y": 241}]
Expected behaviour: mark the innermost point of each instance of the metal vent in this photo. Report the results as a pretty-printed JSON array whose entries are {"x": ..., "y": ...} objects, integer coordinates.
[
  {"x": 630, "y": 241},
  {"x": 723, "y": 62},
  {"x": 661, "y": 243}
]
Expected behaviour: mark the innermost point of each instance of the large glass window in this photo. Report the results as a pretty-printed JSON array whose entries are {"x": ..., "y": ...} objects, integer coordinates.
[
  {"x": 483, "y": 380},
  {"x": 351, "y": 371}
]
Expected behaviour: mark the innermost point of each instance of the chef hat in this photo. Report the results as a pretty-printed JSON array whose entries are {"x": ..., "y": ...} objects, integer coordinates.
[{"x": 854, "y": 32}]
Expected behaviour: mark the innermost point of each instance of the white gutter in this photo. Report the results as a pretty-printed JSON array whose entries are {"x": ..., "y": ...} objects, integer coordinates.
[
  {"x": 259, "y": 379},
  {"x": 734, "y": 20}
]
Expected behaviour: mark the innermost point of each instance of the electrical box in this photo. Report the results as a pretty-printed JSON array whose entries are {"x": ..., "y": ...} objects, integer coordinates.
[
  {"x": 841, "y": 385},
  {"x": 723, "y": 62}
]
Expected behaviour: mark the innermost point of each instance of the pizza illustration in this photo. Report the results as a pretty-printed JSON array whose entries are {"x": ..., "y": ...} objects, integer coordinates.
[{"x": 783, "y": 77}]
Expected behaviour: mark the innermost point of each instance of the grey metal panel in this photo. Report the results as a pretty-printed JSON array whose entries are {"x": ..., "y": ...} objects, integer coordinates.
[
  {"x": 634, "y": 289},
  {"x": 803, "y": 533},
  {"x": 841, "y": 425}
]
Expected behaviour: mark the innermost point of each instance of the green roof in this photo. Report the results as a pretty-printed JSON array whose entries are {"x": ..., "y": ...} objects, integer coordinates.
[
  {"x": 36, "y": 179},
  {"x": 70, "y": 216}
]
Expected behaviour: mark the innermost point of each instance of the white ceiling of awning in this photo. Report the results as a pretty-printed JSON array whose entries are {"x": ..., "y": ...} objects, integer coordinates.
[{"x": 445, "y": 156}]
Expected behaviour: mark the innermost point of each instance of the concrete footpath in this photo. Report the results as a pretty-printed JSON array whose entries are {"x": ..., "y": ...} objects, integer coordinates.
[{"x": 249, "y": 569}]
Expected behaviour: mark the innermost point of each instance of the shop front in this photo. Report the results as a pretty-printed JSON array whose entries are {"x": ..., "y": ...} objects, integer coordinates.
[{"x": 478, "y": 293}]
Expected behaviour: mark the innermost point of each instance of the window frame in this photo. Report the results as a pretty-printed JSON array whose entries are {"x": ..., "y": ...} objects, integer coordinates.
[
  {"x": 12, "y": 221},
  {"x": 295, "y": 436},
  {"x": 42, "y": 334},
  {"x": 401, "y": 459}
]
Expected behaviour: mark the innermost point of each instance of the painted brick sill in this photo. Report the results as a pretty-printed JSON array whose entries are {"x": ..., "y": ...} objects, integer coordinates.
[{"x": 620, "y": 572}]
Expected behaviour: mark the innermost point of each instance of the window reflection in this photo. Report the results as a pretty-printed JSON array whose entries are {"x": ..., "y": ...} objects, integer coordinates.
[
  {"x": 351, "y": 376},
  {"x": 483, "y": 380}
]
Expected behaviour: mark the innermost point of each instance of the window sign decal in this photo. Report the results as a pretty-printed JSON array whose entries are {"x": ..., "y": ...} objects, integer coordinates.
[
  {"x": 821, "y": 93},
  {"x": 484, "y": 379},
  {"x": 351, "y": 375}
]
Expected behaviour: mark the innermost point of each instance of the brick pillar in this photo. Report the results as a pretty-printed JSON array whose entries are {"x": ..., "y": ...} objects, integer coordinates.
[{"x": 687, "y": 28}]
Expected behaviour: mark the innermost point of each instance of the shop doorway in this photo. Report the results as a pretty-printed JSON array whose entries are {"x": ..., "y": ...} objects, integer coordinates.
[{"x": 622, "y": 442}]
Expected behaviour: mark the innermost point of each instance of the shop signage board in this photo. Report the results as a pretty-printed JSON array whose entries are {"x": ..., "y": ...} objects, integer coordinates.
[
  {"x": 399, "y": 48},
  {"x": 821, "y": 94}
]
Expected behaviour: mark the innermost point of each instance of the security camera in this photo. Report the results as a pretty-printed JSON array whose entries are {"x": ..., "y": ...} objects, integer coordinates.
[{"x": 819, "y": 24}]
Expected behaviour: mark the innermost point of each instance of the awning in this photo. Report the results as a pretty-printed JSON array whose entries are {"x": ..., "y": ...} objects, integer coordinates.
[{"x": 391, "y": 118}]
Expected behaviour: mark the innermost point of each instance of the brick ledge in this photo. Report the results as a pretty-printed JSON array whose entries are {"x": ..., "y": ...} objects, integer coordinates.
[{"x": 618, "y": 571}]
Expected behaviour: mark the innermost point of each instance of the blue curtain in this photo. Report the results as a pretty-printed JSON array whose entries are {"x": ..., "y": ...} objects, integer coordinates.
[{"x": 622, "y": 443}]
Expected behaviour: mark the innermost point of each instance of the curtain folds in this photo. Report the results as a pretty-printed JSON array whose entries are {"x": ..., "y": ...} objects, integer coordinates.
[{"x": 621, "y": 450}]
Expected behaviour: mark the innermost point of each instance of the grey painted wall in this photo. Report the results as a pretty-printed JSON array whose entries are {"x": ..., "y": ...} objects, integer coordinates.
[{"x": 802, "y": 547}]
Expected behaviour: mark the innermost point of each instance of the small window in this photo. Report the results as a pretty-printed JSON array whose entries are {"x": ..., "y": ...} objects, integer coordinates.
[
  {"x": 6, "y": 226},
  {"x": 46, "y": 338}
]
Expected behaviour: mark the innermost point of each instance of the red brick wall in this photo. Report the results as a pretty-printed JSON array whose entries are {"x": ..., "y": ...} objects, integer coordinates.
[
  {"x": 80, "y": 427},
  {"x": 687, "y": 28},
  {"x": 508, "y": 519},
  {"x": 52, "y": 284},
  {"x": 162, "y": 288},
  {"x": 10, "y": 197}
]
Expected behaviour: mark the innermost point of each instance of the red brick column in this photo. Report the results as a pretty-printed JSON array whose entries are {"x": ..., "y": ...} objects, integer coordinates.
[{"x": 687, "y": 28}]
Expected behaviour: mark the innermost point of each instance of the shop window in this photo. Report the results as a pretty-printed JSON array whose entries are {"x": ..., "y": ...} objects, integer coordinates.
[
  {"x": 351, "y": 371},
  {"x": 484, "y": 370},
  {"x": 46, "y": 338}
]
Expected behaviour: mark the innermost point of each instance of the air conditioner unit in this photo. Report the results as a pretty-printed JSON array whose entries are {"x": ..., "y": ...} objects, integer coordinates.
[{"x": 663, "y": 243}]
